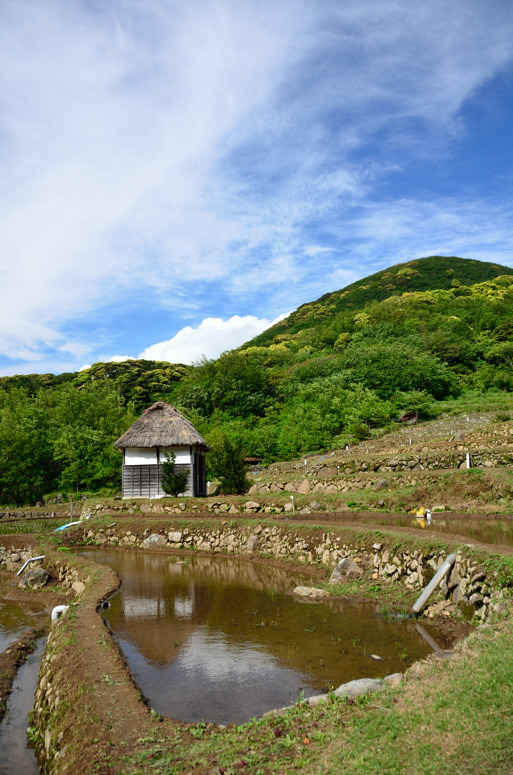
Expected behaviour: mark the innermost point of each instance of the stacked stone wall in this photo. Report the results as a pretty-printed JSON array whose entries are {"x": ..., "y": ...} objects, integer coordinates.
[{"x": 468, "y": 590}]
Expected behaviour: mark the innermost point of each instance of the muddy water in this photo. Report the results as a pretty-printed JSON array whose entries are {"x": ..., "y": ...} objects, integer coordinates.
[
  {"x": 496, "y": 532},
  {"x": 223, "y": 640},
  {"x": 16, "y": 757},
  {"x": 493, "y": 530},
  {"x": 14, "y": 618}
]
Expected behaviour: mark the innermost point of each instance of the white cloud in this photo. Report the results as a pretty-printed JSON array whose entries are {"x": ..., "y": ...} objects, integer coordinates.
[
  {"x": 212, "y": 337},
  {"x": 77, "y": 349},
  {"x": 110, "y": 122},
  {"x": 156, "y": 146}
]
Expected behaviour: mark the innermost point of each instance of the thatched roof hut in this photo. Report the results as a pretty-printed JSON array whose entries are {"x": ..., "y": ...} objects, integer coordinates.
[
  {"x": 161, "y": 425},
  {"x": 161, "y": 429}
]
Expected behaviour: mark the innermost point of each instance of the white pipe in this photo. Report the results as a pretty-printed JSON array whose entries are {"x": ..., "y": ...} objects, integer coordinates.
[
  {"x": 57, "y": 611},
  {"x": 32, "y": 559},
  {"x": 435, "y": 581}
]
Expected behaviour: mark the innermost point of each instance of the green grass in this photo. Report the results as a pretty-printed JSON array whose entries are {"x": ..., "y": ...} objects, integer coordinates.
[
  {"x": 475, "y": 401},
  {"x": 460, "y": 722},
  {"x": 33, "y": 526}
]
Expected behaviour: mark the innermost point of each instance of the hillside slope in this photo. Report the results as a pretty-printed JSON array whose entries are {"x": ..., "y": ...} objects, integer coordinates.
[{"x": 433, "y": 272}]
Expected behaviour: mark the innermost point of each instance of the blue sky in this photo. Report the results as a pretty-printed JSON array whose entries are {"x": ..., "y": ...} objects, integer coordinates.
[{"x": 178, "y": 175}]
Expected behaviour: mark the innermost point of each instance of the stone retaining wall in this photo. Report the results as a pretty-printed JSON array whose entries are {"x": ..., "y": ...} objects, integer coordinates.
[
  {"x": 12, "y": 558},
  {"x": 24, "y": 514},
  {"x": 467, "y": 591},
  {"x": 68, "y": 576},
  {"x": 331, "y": 486},
  {"x": 451, "y": 460}
]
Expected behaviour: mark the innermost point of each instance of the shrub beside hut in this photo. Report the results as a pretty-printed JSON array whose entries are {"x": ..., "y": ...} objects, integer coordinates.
[{"x": 161, "y": 430}]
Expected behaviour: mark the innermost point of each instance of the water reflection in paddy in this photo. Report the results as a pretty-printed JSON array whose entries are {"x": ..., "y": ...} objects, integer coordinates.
[
  {"x": 221, "y": 640},
  {"x": 496, "y": 530},
  {"x": 14, "y": 618},
  {"x": 493, "y": 531}
]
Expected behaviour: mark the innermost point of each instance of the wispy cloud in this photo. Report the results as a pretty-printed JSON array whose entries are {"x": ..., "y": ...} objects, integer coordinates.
[{"x": 227, "y": 157}]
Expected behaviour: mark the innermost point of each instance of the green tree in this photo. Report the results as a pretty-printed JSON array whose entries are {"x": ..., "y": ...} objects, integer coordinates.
[
  {"x": 226, "y": 462},
  {"x": 173, "y": 482},
  {"x": 238, "y": 383},
  {"x": 393, "y": 366},
  {"x": 84, "y": 424},
  {"x": 417, "y": 401},
  {"x": 27, "y": 469},
  {"x": 138, "y": 381}
]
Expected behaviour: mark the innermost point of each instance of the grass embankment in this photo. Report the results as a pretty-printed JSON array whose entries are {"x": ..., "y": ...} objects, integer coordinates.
[
  {"x": 453, "y": 716},
  {"x": 470, "y": 401}
]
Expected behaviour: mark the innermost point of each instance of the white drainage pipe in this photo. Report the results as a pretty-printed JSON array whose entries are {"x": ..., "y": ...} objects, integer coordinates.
[
  {"x": 57, "y": 611},
  {"x": 435, "y": 581},
  {"x": 32, "y": 559}
]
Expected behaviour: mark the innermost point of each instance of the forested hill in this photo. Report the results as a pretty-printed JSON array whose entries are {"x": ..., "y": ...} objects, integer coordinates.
[
  {"x": 333, "y": 372},
  {"x": 139, "y": 381},
  {"x": 434, "y": 272}
]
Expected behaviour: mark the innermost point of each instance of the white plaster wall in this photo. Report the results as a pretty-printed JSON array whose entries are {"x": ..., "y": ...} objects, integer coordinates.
[
  {"x": 140, "y": 456},
  {"x": 183, "y": 454}
]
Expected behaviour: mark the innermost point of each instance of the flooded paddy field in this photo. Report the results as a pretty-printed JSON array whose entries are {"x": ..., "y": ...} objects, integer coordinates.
[
  {"x": 492, "y": 530},
  {"x": 15, "y": 616},
  {"x": 223, "y": 639}
]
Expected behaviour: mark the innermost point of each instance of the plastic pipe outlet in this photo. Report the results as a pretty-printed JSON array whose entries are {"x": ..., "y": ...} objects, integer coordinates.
[{"x": 435, "y": 581}]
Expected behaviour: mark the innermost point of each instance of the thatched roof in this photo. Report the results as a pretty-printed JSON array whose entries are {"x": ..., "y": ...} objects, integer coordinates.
[{"x": 161, "y": 425}]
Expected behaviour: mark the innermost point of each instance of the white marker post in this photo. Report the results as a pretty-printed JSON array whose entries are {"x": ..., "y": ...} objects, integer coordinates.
[
  {"x": 468, "y": 460},
  {"x": 293, "y": 504}
]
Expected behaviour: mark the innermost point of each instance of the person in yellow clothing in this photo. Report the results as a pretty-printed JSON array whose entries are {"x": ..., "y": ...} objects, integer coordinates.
[{"x": 420, "y": 516}]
